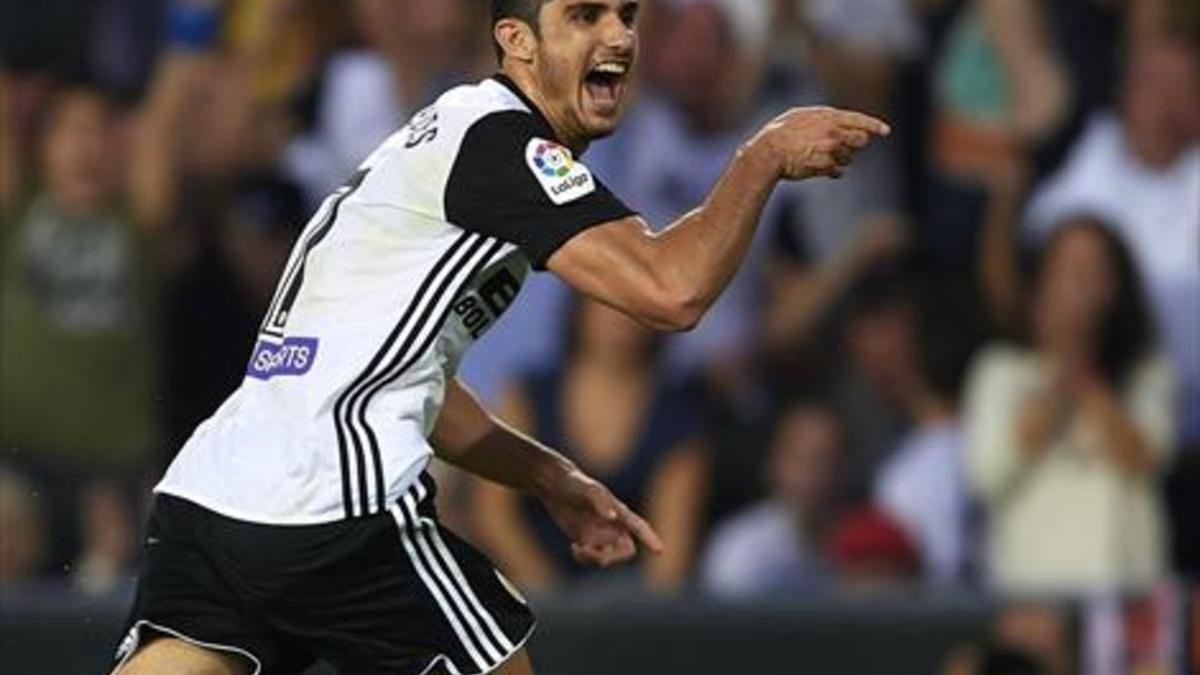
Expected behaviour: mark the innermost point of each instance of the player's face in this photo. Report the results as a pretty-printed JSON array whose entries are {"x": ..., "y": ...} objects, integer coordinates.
[{"x": 585, "y": 58}]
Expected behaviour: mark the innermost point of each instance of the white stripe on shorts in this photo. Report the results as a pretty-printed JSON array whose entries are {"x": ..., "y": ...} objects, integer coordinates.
[
  {"x": 464, "y": 587},
  {"x": 422, "y": 528},
  {"x": 419, "y": 565}
]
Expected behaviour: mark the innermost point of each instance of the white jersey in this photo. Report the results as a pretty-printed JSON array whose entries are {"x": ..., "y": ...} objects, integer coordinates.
[{"x": 395, "y": 276}]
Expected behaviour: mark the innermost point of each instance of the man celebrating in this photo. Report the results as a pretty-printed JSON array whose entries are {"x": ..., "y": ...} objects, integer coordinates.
[{"x": 297, "y": 523}]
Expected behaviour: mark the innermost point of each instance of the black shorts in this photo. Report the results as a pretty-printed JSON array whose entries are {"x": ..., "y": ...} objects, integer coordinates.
[{"x": 388, "y": 593}]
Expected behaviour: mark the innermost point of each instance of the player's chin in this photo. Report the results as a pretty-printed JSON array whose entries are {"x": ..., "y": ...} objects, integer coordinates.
[
  {"x": 601, "y": 121},
  {"x": 602, "y": 116},
  {"x": 601, "y": 129}
]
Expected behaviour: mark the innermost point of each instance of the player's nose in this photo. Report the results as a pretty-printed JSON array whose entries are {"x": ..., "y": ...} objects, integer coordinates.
[{"x": 618, "y": 37}]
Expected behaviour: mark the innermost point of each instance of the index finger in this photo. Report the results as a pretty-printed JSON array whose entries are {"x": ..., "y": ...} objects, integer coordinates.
[
  {"x": 863, "y": 122},
  {"x": 641, "y": 529}
]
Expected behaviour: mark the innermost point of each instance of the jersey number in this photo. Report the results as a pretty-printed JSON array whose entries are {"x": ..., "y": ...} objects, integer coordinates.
[
  {"x": 495, "y": 295},
  {"x": 293, "y": 275},
  {"x": 422, "y": 128}
]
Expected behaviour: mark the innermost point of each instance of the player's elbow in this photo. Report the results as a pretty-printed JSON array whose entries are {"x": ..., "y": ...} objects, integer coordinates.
[{"x": 675, "y": 310}]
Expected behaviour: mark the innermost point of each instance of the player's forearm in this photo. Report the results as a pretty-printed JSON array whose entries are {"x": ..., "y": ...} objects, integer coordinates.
[
  {"x": 700, "y": 253},
  {"x": 508, "y": 457},
  {"x": 469, "y": 437}
]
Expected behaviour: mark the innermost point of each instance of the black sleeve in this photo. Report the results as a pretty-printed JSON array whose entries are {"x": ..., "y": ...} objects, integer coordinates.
[{"x": 511, "y": 183}]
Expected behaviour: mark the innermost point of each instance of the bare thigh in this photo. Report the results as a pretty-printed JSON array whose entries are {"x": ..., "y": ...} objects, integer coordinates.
[
  {"x": 518, "y": 664},
  {"x": 169, "y": 656}
]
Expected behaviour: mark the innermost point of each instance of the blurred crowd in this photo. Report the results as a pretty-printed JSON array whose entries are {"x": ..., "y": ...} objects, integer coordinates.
[{"x": 971, "y": 363}]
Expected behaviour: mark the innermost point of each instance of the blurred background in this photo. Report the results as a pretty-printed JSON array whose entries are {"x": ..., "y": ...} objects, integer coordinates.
[{"x": 945, "y": 420}]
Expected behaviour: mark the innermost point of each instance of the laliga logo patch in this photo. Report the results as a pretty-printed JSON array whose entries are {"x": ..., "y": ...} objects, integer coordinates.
[
  {"x": 563, "y": 179},
  {"x": 554, "y": 161}
]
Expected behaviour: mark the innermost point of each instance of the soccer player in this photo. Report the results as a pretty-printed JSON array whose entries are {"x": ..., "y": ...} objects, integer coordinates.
[{"x": 297, "y": 523}]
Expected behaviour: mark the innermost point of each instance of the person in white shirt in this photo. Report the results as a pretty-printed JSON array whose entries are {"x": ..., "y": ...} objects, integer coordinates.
[{"x": 1066, "y": 434}]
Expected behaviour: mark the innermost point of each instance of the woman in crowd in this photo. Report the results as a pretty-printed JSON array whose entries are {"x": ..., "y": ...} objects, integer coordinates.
[
  {"x": 644, "y": 445},
  {"x": 1066, "y": 433}
]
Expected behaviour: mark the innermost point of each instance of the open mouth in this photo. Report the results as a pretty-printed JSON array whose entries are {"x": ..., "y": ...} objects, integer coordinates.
[{"x": 605, "y": 84}]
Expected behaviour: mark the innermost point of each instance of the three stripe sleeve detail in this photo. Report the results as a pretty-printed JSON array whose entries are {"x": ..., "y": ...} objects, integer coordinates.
[{"x": 363, "y": 480}]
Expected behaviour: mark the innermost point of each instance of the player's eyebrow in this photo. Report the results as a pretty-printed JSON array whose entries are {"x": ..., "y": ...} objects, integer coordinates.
[
  {"x": 626, "y": 10},
  {"x": 595, "y": 5},
  {"x": 585, "y": 4}
]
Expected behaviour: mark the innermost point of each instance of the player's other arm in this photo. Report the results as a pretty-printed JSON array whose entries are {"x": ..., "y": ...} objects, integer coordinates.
[
  {"x": 601, "y": 528},
  {"x": 670, "y": 278}
]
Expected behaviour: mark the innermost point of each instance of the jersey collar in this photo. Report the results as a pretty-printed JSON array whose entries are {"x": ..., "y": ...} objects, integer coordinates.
[{"x": 508, "y": 83}]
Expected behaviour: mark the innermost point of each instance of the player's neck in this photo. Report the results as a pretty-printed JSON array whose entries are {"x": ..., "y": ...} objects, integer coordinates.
[
  {"x": 526, "y": 82},
  {"x": 613, "y": 363}
]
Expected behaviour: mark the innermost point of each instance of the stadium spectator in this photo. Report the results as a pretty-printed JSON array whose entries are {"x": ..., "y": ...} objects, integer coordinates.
[
  {"x": 646, "y": 447},
  {"x": 199, "y": 194},
  {"x": 999, "y": 93},
  {"x": 877, "y": 372},
  {"x": 1066, "y": 432},
  {"x": 78, "y": 341},
  {"x": 841, "y": 53},
  {"x": 23, "y": 536},
  {"x": 1041, "y": 631},
  {"x": 775, "y": 546},
  {"x": 803, "y": 288},
  {"x": 845, "y": 53},
  {"x": 1024, "y": 639},
  {"x": 110, "y": 539},
  {"x": 870, "y": 552},
  {"x": 1138, "y": 168},
  {"x": 990, "y": 659},
  {"x": 408, "y": 51},
  {"x": 286, "y": 43},
  {"x": 923, "y": 484}
]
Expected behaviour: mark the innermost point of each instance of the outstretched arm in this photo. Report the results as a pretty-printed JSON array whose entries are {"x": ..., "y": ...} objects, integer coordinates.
[
  {"x": 669, "y": 279},
  {"x": 602, "y": 530}
]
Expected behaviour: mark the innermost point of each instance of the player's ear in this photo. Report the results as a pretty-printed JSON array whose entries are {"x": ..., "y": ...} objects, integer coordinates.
[{"x": 516, "y": 38}]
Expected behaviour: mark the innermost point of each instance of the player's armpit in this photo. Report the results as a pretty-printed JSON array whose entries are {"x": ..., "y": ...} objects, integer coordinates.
[{"x": 620, "y": 264}]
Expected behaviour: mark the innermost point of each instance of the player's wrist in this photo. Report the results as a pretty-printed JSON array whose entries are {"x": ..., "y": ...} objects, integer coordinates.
[
  {"x": 550, "y": 476},
  {"x": 762, "y": 154}
]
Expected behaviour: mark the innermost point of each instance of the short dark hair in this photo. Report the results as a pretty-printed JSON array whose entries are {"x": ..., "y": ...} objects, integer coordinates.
[{"x": 525, "y": 10}]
